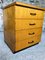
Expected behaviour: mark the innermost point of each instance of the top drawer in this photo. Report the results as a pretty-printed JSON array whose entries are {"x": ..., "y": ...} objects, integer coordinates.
[{"x": 28, "y": 13}]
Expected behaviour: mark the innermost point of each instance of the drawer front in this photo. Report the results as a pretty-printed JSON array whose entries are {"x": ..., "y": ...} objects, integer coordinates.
[
  {"x": 22, "y": 34},
  {"x": 27, "y": 42},
  {"x": 27, "y": 24},
  {"x": 21, "y": 12}
]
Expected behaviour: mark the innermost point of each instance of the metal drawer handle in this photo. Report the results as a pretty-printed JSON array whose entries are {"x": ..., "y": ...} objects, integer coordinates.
[
  {"x": 32, "y": 24},
  {"x": 31, "y": 33},
  {"x": 33, "y": 14},
  {"x": 30, "y": 42}
]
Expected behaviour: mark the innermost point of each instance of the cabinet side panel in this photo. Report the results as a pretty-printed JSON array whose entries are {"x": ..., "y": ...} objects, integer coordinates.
[{"x": 9, "y": 32}]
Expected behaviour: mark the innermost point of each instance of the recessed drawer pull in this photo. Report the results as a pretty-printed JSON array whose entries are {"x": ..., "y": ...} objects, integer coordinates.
[
  {"x": 33, "y": 14},
  {"x": 31, "y": 33},
  {"x": 30, "y": 42},
  {"x": 32, "y": 24}
]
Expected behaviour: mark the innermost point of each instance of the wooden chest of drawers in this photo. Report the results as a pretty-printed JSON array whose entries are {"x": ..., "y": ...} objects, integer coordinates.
[{"x": 22, "y": 25}]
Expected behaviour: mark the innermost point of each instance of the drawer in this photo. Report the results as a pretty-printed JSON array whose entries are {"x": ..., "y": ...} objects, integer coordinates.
[
  {"x": 27, "y": 42},
  {"x": 21, "y": 12},
  {"x": 22, "y": 34},
  {"x": 27, "y": 24}
]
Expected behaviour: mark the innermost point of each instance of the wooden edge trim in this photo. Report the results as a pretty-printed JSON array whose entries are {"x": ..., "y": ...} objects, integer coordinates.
[{"x": 15, "y": 3}]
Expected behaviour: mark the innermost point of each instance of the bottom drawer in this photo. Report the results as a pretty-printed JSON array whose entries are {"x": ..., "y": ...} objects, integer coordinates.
[{"x": 27, "y": 42}]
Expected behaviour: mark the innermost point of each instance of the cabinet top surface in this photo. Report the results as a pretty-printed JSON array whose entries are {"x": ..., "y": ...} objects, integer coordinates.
[{"x": 24, "y": 5}]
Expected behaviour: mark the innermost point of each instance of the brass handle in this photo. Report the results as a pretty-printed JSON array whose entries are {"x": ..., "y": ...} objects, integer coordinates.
[
  {"x": 30, "y": 42},
  {"x": 33, "y": 14},
  {"x": 32, "y": 24},
  {"x": 31, "y": 33}
]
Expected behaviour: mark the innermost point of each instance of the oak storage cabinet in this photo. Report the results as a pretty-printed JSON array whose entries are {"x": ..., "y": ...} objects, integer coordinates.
[{"x": 22, "y": 25}]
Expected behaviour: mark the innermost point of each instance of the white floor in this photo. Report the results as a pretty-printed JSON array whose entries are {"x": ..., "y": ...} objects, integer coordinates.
[{"x": 36, "y": 52}]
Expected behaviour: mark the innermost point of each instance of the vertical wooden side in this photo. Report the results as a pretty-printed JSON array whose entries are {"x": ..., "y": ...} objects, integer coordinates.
[{"x": 9, "y": 32}]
